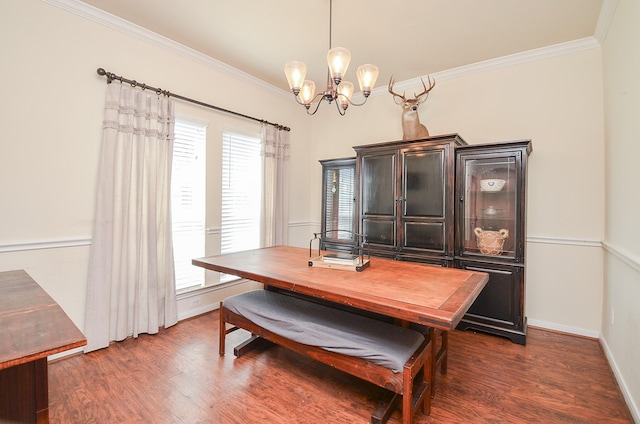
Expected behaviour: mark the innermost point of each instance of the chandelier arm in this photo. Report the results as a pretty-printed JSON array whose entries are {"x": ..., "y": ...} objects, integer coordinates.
[
  {"x": 312, "y": 100},
  {"x": 352, "y": 103},
  {"x": 340, "y": 110},
  {"x": 318, "y": 97},
  {"x": 317, "y": 106}
]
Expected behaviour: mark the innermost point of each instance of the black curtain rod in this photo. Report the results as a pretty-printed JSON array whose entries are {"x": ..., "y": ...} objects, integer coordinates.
[{"x": 113, "y": 77}]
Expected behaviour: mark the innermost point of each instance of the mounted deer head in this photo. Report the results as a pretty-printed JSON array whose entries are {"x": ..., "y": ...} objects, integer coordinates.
[{"x": 412, "y": 129}]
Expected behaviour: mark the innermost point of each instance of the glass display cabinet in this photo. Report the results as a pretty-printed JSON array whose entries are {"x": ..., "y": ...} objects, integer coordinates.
[
  {"x": 490, "y": 233},
  {"x": 338, "y": 205}
]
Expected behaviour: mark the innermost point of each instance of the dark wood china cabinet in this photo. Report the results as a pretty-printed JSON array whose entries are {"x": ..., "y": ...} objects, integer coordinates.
[
  {"x": 441, "y": 202},
  {"x": 405, "y": 198}
]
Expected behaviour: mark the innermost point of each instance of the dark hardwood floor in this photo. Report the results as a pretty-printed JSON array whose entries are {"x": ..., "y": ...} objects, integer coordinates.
[{"x": 178, "y": 377}]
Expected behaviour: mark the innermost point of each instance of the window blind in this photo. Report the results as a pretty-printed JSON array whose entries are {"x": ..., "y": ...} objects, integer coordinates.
[
  {"x": 188, "y": 202},
  {"x": 241, "y": 192}
]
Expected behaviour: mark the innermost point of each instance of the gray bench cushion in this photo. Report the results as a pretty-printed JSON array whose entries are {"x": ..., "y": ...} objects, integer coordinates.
[{"x": 331, "y": 329}]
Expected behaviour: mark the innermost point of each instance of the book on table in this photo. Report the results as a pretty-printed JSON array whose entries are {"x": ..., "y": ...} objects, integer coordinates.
[{"x": 341, "y": 259}]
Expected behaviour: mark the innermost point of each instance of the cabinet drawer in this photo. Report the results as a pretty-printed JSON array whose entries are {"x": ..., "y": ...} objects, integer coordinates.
[{"x": 499, "y": 309}]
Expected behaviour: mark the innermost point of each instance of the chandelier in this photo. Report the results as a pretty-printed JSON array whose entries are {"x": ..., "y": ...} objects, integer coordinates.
[{"x": 337, "y": 89}]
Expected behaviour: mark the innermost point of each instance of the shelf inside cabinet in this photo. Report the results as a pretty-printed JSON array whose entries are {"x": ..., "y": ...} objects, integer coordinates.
[
  {"x": 508, "y": 254},
  {"x": 478, "y": 192}
]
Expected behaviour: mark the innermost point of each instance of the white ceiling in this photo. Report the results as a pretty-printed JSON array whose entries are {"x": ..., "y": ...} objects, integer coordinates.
[{"x": 404, "y": 38}]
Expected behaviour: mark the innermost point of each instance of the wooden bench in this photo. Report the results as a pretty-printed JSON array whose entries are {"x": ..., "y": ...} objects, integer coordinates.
[
  {"x": 395, "y": 358},
  {"x": 439, "y": 338}
]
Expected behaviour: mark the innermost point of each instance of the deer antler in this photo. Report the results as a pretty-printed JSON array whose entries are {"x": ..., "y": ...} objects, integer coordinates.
[
  {"x": 426, "y": 90},
  {"x": 391, "y": 81},
  {"x": 415, "y": 96}
]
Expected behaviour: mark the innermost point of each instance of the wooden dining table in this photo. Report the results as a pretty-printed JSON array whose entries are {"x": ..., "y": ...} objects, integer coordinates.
[{"x": 406, "y": 291}]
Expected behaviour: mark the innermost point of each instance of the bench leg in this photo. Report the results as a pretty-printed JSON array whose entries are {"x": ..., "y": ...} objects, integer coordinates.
[
  {"x": 417, "y": 386},
  {"x": 385, "y": 408},
  {"x": 223, "y": 332},
  {"x": 428, "y": 378},
  {"x": 248, "y": 345},
  {"x": 244, "y": 347},
  {"x": 438, "y": 356},
  {"x": 421, "y": 393},
  {"x": 444, "y": 355}
]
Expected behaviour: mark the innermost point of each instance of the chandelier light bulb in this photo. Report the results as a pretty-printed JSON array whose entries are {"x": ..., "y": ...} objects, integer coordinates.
[
  {"x": 307, "y": 92},
  {"x": 295, "y": 72},
  {"x": 338, "y": 59},
  {"x": 345, "y": 91},
  {"x": 367, "y": 76}
]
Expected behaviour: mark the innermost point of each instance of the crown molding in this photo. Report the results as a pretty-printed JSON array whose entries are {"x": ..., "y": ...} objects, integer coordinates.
[
  {"x": 111, "y": 21},
  {"x": 607, "y": 12},
  {"x": 518, "y": 58},
  {"x": 500, "y": 62},
  {"x": 118, "y": 24}
]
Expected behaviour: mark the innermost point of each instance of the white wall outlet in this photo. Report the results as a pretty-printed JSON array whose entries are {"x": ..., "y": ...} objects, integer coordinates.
[{"x": 194, "y": 302}]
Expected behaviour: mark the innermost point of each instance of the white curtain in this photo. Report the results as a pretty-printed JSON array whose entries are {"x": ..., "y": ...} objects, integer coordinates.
[
  {"x": 131, "y": 284},
  {"x": 275, "y": 212}
]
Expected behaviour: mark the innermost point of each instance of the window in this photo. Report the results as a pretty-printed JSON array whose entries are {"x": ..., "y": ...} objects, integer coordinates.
[
  {"x": 241, "y": 192},
  {"x": 188, "y": 202}
]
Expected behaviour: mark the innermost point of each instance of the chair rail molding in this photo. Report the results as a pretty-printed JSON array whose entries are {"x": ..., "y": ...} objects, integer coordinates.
[
  {"x": 565, "y": 241},
  {"x": 43, "y": 244},
  {"x": 627, "y": 257}
]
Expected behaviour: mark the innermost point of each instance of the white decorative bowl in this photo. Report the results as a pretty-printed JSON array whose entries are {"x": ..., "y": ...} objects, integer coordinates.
[{"x": 492, "y": 184}]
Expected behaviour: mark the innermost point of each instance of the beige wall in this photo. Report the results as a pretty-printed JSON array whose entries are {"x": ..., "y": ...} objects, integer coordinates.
[
  {"x": 52, "y": 110},
  {"x": 48, "y": 172},
  {"x": 556, "y": 102},
  {"x": 51, "y": 125},
  {"x": 621, "y": 318}
]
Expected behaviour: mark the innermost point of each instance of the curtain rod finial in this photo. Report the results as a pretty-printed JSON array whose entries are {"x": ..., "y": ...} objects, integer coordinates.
[{"x": 103, "y": 73}]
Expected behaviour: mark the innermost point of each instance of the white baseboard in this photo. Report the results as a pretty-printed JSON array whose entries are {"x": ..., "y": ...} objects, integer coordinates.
[
  {"x": 633, "y": 407},
  {"x": 65, "y": 354},
  {"x": 564, "y": 328},
  {"x": 198, "y": 311}
]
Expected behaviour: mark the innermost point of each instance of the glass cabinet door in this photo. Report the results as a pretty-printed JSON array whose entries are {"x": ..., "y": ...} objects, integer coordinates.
[
  {"x": 379, "y": 199},
  {"x": 489, "y": 206},
  {"x": 423, "y": 202},
  {"x": 338, "y": 204}
]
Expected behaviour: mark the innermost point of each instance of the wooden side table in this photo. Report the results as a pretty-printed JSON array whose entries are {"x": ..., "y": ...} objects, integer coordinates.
[{"x": 32, "y": 327}]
